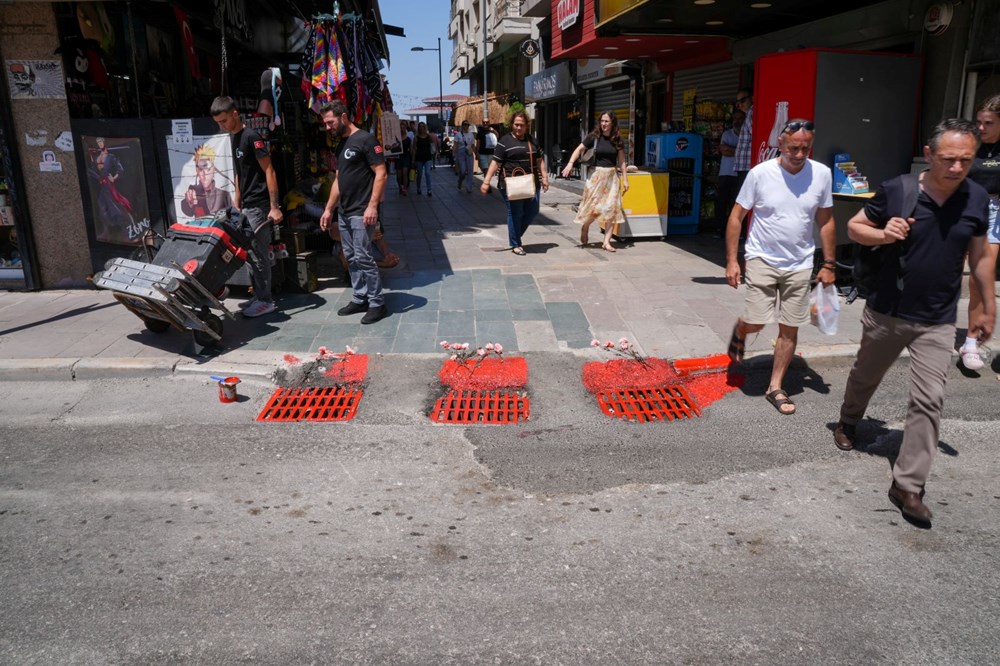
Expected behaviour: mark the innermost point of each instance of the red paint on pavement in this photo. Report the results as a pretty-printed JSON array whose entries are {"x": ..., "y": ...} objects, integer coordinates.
[
  {"x": 704, "y": 379},
  {"x": 490, "y": 374},
  {"x": 346, "y": 369},
  {"x": 292, "y": 360}
]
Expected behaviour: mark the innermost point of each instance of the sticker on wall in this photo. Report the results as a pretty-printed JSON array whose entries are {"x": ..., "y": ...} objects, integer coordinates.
[
  {"x": 64, "y": 141},
  {"x": 49, "y": 164},
  {"x": 35, "y": 79},
  {"x": 36, "y": 138},
  {"x": 181, "y": 130}
]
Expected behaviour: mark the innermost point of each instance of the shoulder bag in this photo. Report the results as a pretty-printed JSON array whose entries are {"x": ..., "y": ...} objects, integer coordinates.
[
  {"x": 868, "y": 259},
  {"x": 521, "y": 185}
]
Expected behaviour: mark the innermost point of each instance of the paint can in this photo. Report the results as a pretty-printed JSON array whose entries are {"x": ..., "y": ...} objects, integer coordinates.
[{"x": 227, "y": 389}]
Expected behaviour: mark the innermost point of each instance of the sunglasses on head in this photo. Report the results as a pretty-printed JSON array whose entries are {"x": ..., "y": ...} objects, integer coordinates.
[
  {"x": 740, "y": 100},
  {"x": 796, "y": 125}
]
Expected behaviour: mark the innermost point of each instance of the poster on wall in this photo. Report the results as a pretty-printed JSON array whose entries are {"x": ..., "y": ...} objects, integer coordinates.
[
  {"x": 117, "y": 186},
  {"x": 391, "y": 136},
  {"x": 35, "y": 79},
  {"x": 201, "y": 175}
]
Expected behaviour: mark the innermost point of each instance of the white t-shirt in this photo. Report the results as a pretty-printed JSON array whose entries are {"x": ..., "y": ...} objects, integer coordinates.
[{"x": 784, "y": 212}]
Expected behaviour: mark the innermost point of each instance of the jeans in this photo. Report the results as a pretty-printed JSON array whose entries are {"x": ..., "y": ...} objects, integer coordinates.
[
  {"x": 424, "y": 171},
  {"x": 520, "y": 214},
  {"x": 356, "y": 240},
  {"x": 464, "y": 160},
  {"x": 260, "y": 259}
]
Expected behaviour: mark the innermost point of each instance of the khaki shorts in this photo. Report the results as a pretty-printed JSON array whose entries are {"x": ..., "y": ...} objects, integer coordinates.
[{"x": 769, "y": 288}]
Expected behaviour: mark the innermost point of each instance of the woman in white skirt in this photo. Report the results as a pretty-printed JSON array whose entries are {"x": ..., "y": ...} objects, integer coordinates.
[{"x": 602, "y": 195}]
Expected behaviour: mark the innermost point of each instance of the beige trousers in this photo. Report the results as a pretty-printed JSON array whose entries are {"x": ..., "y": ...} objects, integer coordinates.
[{"x": 930, "y": 347}]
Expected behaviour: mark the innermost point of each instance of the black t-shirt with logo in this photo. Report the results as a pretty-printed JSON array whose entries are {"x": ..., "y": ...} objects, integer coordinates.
[
  {"x": 356, "y": 156},
  {"x": 925, "y": 284},
  {"x": 605, "y": 153},
  {"x": 248, "y": 147},
  {"x": 986, "y": 167}
]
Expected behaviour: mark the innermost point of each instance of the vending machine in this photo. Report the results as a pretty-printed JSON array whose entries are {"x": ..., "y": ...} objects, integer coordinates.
[{"x": 680, "y": 154}]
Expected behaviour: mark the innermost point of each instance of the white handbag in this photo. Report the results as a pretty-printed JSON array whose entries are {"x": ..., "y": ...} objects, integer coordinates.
[{"x": 521, "y": 186}]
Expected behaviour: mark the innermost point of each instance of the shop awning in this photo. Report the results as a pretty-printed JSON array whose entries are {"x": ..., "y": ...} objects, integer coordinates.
[{"x": 471, "y": 109}]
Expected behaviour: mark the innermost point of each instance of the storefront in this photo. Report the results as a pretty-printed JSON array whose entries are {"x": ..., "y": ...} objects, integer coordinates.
[
  {"x": 557, "y": 124},
  {"x": 109, "y": 110}
]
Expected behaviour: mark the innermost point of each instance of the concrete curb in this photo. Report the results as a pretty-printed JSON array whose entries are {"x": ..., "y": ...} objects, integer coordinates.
[{"x": 262, "y": 366}]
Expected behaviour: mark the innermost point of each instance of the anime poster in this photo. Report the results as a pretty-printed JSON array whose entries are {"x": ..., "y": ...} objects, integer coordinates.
[
  {"x": 35, "y": 79},
  {"x": 117, "y": 186},
  {"x": 201, "y": 175}
]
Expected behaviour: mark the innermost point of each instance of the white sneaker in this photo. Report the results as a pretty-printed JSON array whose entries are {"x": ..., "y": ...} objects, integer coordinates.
[
  {"x": 247, "y": 303},
  {"x": 259, "y": 309},
  {"x": 971, "y": 359}
]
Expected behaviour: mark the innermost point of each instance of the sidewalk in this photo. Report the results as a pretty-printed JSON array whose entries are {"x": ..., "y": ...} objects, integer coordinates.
[{"x": 456, "y": 282}]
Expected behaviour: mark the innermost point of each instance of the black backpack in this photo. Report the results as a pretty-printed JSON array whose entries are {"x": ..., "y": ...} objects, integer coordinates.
[{"x": 868, "y": 259}]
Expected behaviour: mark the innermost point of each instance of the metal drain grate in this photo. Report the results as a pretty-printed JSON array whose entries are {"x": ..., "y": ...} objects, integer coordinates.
[
  {"x": 481, "y": 408},
  {"x": 328, "y": 403},
  {"x": 655, "y": 403}
]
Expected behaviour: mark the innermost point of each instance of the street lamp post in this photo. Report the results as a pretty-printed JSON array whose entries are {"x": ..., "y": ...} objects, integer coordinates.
[{"x": 440, "y": 79}]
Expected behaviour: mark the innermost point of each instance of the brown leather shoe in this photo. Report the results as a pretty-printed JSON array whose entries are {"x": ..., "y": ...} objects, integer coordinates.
[
  {"x": 844, "y": 435},
  {"x": 910, "y": 504}
]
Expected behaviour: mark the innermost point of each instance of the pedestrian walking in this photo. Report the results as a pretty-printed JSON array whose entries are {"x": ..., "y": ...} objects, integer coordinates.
[
  {"x": 986, "y": 172},
  {"x": 423, "y": 150},
  {"x": 464, "y": 149},
  {"x": 486, "y": 142},
  {"x": 404, "y": 160},
  {"x": 517, "y": 150},
  {"x": 729, "y": 184},
  {"x": 788, "y": 195},
  {"x": 358, "y": 187},
  {"x": 257, "y": 197},
  {"x": 602, "y": 194},
  {"x": 914, "y": 299}
]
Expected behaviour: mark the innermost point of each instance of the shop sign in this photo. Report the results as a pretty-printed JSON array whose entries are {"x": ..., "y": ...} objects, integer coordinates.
[
  {"x": 592, "y": 69},
  {"x": 567, "y": 13},
  {"x": 549, "y": 83},
  {"x": 607, "y": 10}
]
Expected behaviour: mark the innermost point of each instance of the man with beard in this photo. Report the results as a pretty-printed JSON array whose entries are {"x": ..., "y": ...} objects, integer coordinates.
[{"x": 358, "y": 187}]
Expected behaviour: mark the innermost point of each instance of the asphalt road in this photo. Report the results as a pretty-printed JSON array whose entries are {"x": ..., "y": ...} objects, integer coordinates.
[{"x": 143, "y": 522}]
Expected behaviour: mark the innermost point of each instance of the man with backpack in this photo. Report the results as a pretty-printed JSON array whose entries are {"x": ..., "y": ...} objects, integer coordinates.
[{"x": 913, "y": 298}]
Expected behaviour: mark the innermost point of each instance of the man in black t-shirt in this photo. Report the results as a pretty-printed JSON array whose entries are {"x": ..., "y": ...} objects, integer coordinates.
[
  {"x": 256, "y": 195},
  {"x": 358, "y": 186},
  {"x": 915, "y": 300}
]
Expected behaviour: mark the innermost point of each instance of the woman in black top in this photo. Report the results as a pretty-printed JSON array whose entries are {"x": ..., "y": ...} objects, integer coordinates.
[
  {"x": 404, "y": 161},
  {"x": 985, "y": 171},
  {"x": 425, "y": 147},
  {"x": 602, "y": 195},
  {"x": 518, "y": 150}
]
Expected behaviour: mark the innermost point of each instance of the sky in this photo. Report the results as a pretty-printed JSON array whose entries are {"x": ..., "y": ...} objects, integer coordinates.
[{"x": 412, "y": 76}]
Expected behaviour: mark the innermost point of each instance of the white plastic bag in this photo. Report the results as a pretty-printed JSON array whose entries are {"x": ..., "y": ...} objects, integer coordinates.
[{"x": 824, "y": 308}]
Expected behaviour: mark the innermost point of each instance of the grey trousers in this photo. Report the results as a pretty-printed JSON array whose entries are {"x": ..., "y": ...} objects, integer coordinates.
[
  {"x": 930, "y": 347},
  {"x": 260, "y": 270},
  {"x": 356, "y": 239}
]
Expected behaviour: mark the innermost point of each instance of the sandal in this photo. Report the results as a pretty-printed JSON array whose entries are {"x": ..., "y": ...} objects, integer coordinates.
[
  {"x": 519, "y": 251},
  {"x": 737, "y": 347},
  {"x": 774, "y": 397}
]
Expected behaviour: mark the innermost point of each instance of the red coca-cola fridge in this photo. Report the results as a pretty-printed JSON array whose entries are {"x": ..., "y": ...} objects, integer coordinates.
[{"x": 863, "y": 104}]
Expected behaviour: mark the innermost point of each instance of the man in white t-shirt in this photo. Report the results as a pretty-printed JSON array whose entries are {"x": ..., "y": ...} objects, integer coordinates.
[{"x": 787, "y": 195}]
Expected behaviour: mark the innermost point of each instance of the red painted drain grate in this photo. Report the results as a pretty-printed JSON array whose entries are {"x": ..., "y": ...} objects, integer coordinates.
[
  {"x": 328, "y": 403},
  {"x": 481, "y": 408},
  {"x": 654, "y": 403}
]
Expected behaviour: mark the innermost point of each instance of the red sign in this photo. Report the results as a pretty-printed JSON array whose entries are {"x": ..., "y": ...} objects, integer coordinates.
[{"x": 567, "y": 13}]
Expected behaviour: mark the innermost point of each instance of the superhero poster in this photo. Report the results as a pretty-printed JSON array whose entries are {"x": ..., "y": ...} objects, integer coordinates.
[
  {"x": 35, "y": 79},
  {"x": 117, "y": 186},
  {"x": 201, "y": 175}
]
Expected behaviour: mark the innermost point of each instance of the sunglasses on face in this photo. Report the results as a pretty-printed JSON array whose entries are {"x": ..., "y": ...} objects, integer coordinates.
[
  {"x": 796, "y": 125},
  {"x": 740, "y": 100}
]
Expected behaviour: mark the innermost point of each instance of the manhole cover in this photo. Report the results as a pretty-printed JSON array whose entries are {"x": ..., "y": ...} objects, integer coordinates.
[
  {"x": 323, "y": 403},
  {"x": 655, "y": 403},
  {"x": 481, "y": 408}
]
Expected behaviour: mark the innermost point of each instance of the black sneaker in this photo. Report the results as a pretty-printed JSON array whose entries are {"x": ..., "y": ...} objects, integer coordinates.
[
  {"x": 353, "y": 308},
  {"x": 374, "y": 314}
]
